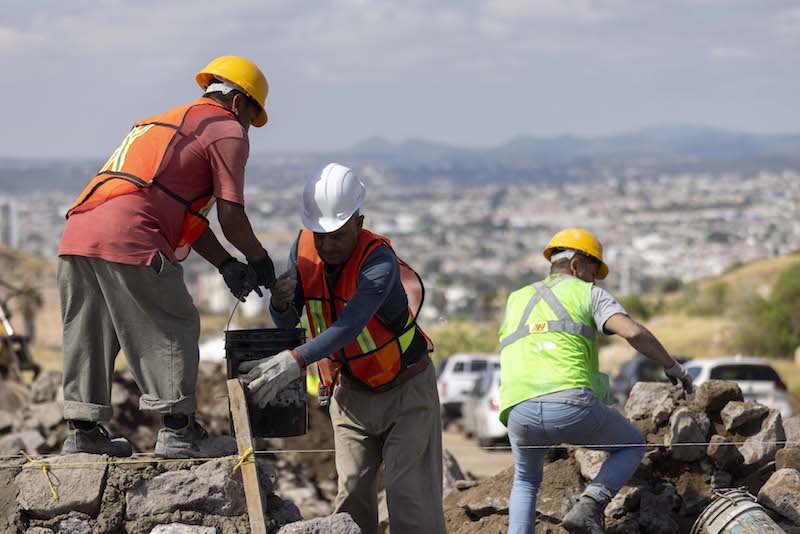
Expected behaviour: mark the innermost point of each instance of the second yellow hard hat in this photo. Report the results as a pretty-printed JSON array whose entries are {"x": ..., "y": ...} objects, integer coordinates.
[
  {"x": 580, "y": 240},
  {"x": 243, "y": 73}
]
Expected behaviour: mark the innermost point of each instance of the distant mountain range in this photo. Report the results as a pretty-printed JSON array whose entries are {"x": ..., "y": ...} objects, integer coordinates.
[{"x": 658, "y": 149}]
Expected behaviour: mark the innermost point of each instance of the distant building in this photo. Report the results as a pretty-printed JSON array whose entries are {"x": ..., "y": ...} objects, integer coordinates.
[{"x": 9, "y": 231}]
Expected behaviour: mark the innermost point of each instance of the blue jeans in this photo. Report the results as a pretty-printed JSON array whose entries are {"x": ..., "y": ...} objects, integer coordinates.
[{"x": 577, "y": 418}]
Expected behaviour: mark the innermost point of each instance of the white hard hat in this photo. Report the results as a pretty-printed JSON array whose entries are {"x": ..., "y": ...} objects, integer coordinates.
[{"x": 331, "y": 197}]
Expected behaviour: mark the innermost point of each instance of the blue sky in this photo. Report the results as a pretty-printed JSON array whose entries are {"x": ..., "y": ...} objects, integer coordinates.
[{"x": 470, "y": 72}]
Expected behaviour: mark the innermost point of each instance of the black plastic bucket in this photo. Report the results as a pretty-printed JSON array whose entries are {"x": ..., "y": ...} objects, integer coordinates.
[{"x": 286, "y": 415}]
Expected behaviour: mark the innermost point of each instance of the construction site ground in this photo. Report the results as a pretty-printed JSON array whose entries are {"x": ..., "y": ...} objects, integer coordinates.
[{"x": 472, "y": 459}]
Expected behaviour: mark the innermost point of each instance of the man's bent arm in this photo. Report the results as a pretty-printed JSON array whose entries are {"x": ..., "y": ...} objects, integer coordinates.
[
  {"x": 209, "y": 247},
  {"x": 640, "y": 338},
  {"x": 237, "y": 230},
  {"x": 378, "y": 275}
]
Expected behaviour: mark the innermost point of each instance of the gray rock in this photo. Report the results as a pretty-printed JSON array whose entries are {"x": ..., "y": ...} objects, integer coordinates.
[
  {"x": 624, "y": 502},
  {"x": 38, "y": 530},
  {"x": 451, "y": 472},
  {"x": 7, "y": 421},
  {"x": 737, "y": 413},
  {"x": 211, "y": 487},
  {"x": 30, "y": 441},
  {"x": 303, "y": 494},
  {"x": 590, "y": 462},
  {"x": 721, "y": 479},
  {"x": 46, "y": 416},
  {"x": 657, "y": 512},
  {"x": 335, "y": 524},
  {"x": 791, "y": 427},
  {"x": 180, "y": 528},
  {"x": 713, "y": 395},
  {"x": 781, "y": 493},
  {"x": 483, "y": 505},
  {"x": 78, "y": 490},
  {"x": 644, "y": 397},
  {"x": 761, "y": 448},
  {"x": 285, "y": 514},
  {"x": 663, "y": 410},
  {"x": 787, "y": 459},
  {"x": 120, "y": 395},
  {"x": 46, "y": 387},
  {"x": 723, "y": 453},
  {"x": 687, "y": 426},
  {"x": 74, "y": 526}
]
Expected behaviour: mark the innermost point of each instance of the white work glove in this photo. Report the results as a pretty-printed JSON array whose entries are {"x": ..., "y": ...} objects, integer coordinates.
[
  {"x": 283, "y": 291},
  {"x": 266, "y": 377},
  {"x": 679, "y": 373}
]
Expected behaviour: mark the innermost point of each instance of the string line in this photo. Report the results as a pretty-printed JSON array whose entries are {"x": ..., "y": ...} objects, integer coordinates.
[{"x": 150, "y": 458}]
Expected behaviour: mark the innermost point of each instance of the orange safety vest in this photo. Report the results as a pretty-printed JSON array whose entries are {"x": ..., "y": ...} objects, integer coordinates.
[
  {"x": 136, "y": 164},
  {"x": 375, "y": 356}
]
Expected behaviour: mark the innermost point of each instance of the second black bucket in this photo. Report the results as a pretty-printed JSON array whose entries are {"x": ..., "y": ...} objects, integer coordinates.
[{"x": 286, "y": 415}]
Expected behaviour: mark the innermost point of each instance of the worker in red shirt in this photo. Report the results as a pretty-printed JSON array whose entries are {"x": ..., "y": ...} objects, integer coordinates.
[{"x": 119, "y": 279}]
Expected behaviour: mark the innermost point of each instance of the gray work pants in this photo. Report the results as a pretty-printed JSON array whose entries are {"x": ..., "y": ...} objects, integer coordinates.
[
  {"x": 400, "y": 428},
  {"x": 106, "y": 306}
]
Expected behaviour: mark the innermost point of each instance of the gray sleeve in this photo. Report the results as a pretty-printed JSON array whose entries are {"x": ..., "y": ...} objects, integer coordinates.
[
  {"x": 603, "y": 307},
  {"x": 377, "y": 277},
  {"x": 290, "y": 317}
]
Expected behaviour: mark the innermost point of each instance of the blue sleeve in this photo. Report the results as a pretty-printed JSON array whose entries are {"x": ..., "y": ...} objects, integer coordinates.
[
  {"x": 290, "y": 317},
  {"x": 378, "y": 276}
]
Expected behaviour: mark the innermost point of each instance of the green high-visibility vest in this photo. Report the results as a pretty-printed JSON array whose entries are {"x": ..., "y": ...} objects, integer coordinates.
[{"x": 549, "y": 343}]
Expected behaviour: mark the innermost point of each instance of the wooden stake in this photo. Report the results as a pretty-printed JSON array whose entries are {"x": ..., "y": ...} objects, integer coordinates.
[{"x": 244, "y": 441}]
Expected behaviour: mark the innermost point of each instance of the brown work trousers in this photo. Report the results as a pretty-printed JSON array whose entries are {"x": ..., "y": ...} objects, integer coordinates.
[
  {"x": 106, "y": 306},
  {"x": 400, "y": 428}
]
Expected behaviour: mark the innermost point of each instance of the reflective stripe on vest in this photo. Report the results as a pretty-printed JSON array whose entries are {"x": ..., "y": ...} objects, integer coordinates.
[
  {"x": 136, "y": 164},
  {"x": 564, "y": 322},
  {"x": 376, "y": 355}
]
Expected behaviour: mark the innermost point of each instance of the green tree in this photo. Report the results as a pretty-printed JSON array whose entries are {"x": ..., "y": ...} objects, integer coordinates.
[
  {"x": 772, "y": 326},
  {"x": 636, "y": 307}
]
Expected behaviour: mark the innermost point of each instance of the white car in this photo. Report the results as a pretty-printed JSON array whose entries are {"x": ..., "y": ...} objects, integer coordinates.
[
  {"x": 481, "y": 412},
  {"x": 456, "y": 380},
  {"x": 755, "y": 377}
]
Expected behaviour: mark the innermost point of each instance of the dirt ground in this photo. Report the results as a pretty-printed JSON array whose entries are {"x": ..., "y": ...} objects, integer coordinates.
[{"x": 471, "y": 458}]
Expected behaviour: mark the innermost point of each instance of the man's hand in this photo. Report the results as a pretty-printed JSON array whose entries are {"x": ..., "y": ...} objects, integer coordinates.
[
  {"x": 679, "y": 373},
  {"x": 283, "y": 291},
  {"x": 265, "y": 271},
  {"x": 240, "y": 278},
  {"x": 266, "y": 377}
]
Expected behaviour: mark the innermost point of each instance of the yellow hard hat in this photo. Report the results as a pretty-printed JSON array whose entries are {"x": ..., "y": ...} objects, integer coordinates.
[
  {"x": 580, "y": 240},
  {"x": 243, "y": 73}
]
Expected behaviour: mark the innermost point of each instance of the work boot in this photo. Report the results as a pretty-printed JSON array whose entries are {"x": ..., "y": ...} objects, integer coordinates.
[
  {"x": 586, "y": 517},
  {"x": 191, "y": 440},
  {"x": 93, "y": 439}
]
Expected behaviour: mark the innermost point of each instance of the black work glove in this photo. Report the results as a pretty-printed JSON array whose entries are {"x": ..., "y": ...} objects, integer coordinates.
[
  {"x": 265, "y": 271},
  {"x": 240, "y": 278}
]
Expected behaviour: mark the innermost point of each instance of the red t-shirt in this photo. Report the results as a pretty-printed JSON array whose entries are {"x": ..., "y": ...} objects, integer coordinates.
[{"x": 210, "y": 153}]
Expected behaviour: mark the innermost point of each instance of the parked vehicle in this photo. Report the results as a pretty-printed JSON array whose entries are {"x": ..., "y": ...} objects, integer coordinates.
[
  {"x": 456, "y": 380},
  {"x": 757, "y": 379},
  {"x": 481, "y": 411},
  {"x": 637, "y": 369}
]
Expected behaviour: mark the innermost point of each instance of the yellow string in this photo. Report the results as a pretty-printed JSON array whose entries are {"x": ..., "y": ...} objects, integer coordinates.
[
  {"x": 247, "y": 454},
  {"x": 44, "y": 470}
]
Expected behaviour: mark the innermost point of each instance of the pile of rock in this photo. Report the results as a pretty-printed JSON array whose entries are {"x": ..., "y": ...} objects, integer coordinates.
[
  {"x": 139, "y": 498},
  {"x": 679, "y": 473},
  {"x": 131, "y": 497}
]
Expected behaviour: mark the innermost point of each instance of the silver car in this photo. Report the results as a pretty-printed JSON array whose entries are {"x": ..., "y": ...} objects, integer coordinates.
[
  {"x": 481, "y": 411},
  {"x": 755, "y": 376}
]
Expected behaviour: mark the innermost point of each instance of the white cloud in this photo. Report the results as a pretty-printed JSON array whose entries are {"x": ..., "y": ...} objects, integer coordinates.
[
  {"x": 731, "y": 53},
  {"x": 787, "y": 24},
  {"x": 585, "y": 11},
  {"x": 12, "y": 38}
]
